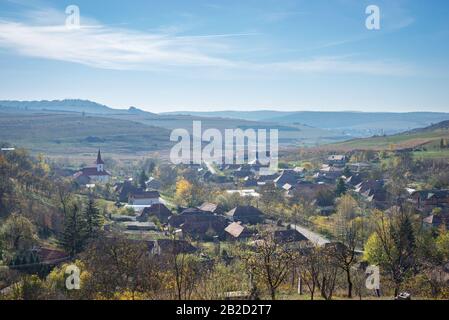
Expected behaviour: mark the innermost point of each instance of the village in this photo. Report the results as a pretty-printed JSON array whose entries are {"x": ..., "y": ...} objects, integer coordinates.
[
  {"x": 325, "y": 212},
  {"x": 150, "y": 213}
]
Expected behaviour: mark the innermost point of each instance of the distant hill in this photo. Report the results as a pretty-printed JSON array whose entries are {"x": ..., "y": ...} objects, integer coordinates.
[
  {"x": 47, "y": 111},
  {"x": 68, "y": 105},
  {"x": 262, "y": 115},
  {"x": 444, "y": 125},
  {"x": 356, "y": 124}
]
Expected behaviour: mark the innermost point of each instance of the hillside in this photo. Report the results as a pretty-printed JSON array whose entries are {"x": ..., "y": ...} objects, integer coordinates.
[
  {"x": 424, "y": 141},
  {"x": 46, "y": 132},
  {"x": 355, "y": 124},
  {"x": 58, "y": 133}
]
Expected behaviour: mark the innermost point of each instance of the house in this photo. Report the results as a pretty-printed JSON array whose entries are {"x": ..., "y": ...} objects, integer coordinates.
[
  {"x": 140, "y": 226},
  {"x": 157, "y": 210},
  {"x": 328, "y": 173},
  {"x": 153, "y": 184},
  {"x": 235, "y": 231},
  {"x": 249, "y": 182},
  {"x": 121, "y": 218},
  {"x": 289, "y": 235},
  {"x": 372, "y": 190},
  {"x": 354, "y": 180},
  {"x": 95, "y": 174},
  {"x": 199, "y": 224},
  {"x": 246, "y": 214},
  {"x": 242, "y": 172},
  {"x": 212, "y": 208},
  {"x": 358, "y": 167},
  {"x": 430, "y": 198},
  {"x": 268, "y": 178},
  {"x": 299, "y": 170},
  {"x": 337, "y": 160},
  {"x": 437, "y": 220},
  {"x": 287, "y": 177},
  {"x": 125, "y": 188},
  {"x": 190, "y": 215},
  {"x": 205, "y": 229},
  {"x": 245, "y": 193},
  {"x": 143, "y": 198}
]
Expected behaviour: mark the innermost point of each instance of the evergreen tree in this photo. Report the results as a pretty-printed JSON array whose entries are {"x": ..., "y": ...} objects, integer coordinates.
[
  {"x": 442, "y": 143},
  {"x": 143, "y": 178},
  {"x": 341, "y": 188},
  {"x": 73, "y": 237},
  {"x": 92, "y": 219}
]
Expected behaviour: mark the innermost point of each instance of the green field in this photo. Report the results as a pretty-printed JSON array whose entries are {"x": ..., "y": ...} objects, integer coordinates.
[{"x": 426, "y": 139}]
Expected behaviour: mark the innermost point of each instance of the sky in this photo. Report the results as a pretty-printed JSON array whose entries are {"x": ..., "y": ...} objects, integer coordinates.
[{"x": 198, "y": 55}]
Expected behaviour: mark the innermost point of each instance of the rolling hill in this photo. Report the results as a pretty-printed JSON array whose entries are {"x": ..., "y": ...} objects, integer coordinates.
[
  {"x": 424, "y": 141},
  {"x": 355, "y": 124},
  {"x": 58, "y": 133},
  {"x": 37, "y": 125}
]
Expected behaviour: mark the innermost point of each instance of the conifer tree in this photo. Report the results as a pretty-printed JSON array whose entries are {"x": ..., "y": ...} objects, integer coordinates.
[
  {"x": 73, "y": 237},
  {"x": 92, "y": 218}
]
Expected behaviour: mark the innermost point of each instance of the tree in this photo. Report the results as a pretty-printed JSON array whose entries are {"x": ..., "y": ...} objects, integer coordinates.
[
  {"x": 186, "y": 270},
  {"x": 143, "y": 178},
  {"x": 344, "y": 252},
  {"x": 442, "y": 143},
  {"x": 73, "y": 237},
  {"x": 347, "y": 209},
  {"x": 92, "y": 218},
  {"x": 118, "y": 265},
  {"x": 327, "y": 277},
  {"x": 17, "y": 235},
  {"x": 270, "y": 261},
  {"x": 188, "y": 194},
  {"x": 393, "y": 247},
  {"x": 341, "y": 188},
  {"x": 325, "y": 197},
  {"x": 309, "y": 268},
  {"x": 442, "y": 244}
]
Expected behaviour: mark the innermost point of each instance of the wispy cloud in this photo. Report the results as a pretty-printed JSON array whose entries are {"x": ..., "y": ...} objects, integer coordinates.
[
  {"x": 44, "y": 35},
  {"x": 104, "y": 47},
  {"x": 346, "y": 65}
]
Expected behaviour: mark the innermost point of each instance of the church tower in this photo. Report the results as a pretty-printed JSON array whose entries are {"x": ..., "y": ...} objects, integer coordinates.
[{"x": 100, "y": 162}]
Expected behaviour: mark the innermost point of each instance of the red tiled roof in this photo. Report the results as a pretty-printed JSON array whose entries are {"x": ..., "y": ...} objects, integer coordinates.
[
  {"x": 145, "y": 195},
  {"x": 91, "y": 171}
]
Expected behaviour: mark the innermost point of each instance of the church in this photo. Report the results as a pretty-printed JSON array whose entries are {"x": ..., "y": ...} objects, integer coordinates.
[{"x": 93, "y": 174}]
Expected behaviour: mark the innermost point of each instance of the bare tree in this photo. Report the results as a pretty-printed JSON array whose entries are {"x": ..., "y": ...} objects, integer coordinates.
[
  {"x": 270, "y": 261},
  {"x": 344, "y": 253},
  {"x": 309, "y": 268}
]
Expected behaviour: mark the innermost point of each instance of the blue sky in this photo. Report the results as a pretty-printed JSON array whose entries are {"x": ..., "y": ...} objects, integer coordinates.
[{"x": 222, "y": 55}]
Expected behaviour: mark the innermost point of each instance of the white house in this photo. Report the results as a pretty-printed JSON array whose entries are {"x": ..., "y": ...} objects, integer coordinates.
[
  {"x": 93, "y": 174},
  {"x": 143, "y": 198}
]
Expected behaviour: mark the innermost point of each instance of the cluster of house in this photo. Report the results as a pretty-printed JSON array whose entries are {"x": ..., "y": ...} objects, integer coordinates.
[
  {"x": 433, "y": 204},
  {"x": 208, "y": 222}
]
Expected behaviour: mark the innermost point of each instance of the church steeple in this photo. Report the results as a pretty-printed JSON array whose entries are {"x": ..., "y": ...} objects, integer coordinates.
[{"x": 100, "y": 162}]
